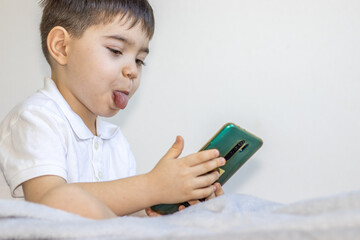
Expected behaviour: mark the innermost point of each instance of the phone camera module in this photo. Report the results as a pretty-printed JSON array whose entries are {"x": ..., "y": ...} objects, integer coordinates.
[{"x": 240, "y": 145}]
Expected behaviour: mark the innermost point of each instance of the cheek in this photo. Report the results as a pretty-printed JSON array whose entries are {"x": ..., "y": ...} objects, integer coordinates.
[
  {"x": 92, "y": 67},
  {"x": 136, "y": 85},
  {"x": 102, "y": 66},
  {"x": 80, "y": 64}
]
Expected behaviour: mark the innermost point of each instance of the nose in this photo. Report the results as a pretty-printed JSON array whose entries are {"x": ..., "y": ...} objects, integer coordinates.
[{"x": 130, "y": 71}]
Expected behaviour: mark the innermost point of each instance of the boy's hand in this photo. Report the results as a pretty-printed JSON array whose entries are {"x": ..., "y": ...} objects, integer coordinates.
[
  {"x": 219, "y": 191},
  {"x": 192, "y": 177}
]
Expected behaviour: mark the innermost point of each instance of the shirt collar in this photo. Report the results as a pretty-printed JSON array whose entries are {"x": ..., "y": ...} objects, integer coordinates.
[{"x": 104, "y": 129}]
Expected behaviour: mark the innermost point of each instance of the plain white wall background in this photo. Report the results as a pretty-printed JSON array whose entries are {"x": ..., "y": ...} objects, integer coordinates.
[{"x": 285, "y": 70}]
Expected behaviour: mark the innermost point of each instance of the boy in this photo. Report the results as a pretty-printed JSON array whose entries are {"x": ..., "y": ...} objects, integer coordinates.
[{"x": 53, "y": 148}]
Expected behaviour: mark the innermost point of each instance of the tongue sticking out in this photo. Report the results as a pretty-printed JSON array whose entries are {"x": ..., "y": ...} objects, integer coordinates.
[{"x": 120, "y": 99}]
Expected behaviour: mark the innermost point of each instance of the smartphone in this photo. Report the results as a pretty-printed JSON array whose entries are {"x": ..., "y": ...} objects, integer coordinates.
[{"x": 236, "y": 145}]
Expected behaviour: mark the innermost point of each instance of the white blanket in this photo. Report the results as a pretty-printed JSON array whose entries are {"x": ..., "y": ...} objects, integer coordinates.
[{"x": 232, "y": 216}]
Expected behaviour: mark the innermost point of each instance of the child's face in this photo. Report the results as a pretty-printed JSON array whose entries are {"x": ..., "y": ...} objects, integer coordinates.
[{"x": 103, "y": 68}]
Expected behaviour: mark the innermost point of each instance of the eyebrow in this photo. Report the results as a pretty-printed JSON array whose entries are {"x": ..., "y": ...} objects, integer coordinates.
[{"x": 127, "y": 41}]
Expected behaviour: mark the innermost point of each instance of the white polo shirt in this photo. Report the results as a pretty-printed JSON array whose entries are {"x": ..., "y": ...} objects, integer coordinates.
[{"x": 43, "y": 136}]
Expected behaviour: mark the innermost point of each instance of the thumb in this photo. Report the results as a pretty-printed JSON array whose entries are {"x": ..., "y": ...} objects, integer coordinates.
[{"x": 176, "y": 148}]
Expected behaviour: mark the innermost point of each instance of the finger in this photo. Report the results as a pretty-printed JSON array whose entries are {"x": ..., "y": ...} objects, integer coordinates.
[
  {"x": 193, "y": 202},
  {"x": 219, "y": 190},
  {"x": 176, "y": 148},
  {"x": 203, "y": 193},
  {"x": 151, "y": 213},
  {"x": 208, "y": 166},
  {"x": 206, "y": 180},
  {"x": 202, "y": 156},
  {"x": 148, "y": 211},
  {"x": 181, "y": 207},
  {"x": 210, "y": 197},
  {"x": 190, "y": 203}
]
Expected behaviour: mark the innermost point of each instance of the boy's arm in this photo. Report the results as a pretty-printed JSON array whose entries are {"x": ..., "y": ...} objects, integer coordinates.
[
  {"x": 53, "y": 191},
  {"x": 172, "y": 180},
  {"x": 96, "y": 200}
]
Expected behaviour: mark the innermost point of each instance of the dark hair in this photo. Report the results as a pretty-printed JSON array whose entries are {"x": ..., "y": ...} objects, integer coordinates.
[{"x": 78, "y": 15}]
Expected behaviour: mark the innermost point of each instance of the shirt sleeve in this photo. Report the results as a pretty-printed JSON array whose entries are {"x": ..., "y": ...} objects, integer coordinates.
[{"x": 33, "y": 146}]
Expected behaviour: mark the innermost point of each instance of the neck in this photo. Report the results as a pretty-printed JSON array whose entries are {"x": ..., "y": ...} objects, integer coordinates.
[{"x": 80, "y": 109}]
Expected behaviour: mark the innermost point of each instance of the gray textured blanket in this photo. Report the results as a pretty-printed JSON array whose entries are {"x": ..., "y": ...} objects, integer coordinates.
[{"x": 232, "y": 216}]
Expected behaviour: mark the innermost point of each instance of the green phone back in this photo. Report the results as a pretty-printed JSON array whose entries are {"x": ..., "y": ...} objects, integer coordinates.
[{"x": 236, "y": 145}]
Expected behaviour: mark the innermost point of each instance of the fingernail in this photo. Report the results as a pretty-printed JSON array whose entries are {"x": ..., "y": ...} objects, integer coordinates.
[
  {"x": 214, "y": 188},
  {"x": 222, "y": 161},
  {"x": 216, "y": 152}
]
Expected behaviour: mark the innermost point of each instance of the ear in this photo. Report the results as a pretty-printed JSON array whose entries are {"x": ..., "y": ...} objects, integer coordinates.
[{"x": 57, "y": 41}]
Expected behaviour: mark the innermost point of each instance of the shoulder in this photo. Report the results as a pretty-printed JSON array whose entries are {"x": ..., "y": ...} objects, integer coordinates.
[
  {"x": 37, "y": 110},
  {"x": 37, "y": 104}
]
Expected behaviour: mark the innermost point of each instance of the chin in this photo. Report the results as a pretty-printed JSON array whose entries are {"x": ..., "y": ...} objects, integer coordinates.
[{"x": 110, "y": 113}]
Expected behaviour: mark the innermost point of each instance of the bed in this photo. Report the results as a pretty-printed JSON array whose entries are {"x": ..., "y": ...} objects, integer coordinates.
[{"x": 232, "y": 216}]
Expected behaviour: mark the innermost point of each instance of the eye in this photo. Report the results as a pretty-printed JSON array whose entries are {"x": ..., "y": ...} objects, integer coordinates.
[
  {"x": 140, "y": 62},
  {"x": 115, "y": 51}
]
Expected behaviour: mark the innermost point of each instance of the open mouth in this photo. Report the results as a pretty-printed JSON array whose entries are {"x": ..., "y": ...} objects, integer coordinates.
[{"x": 121, "y": 99}]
